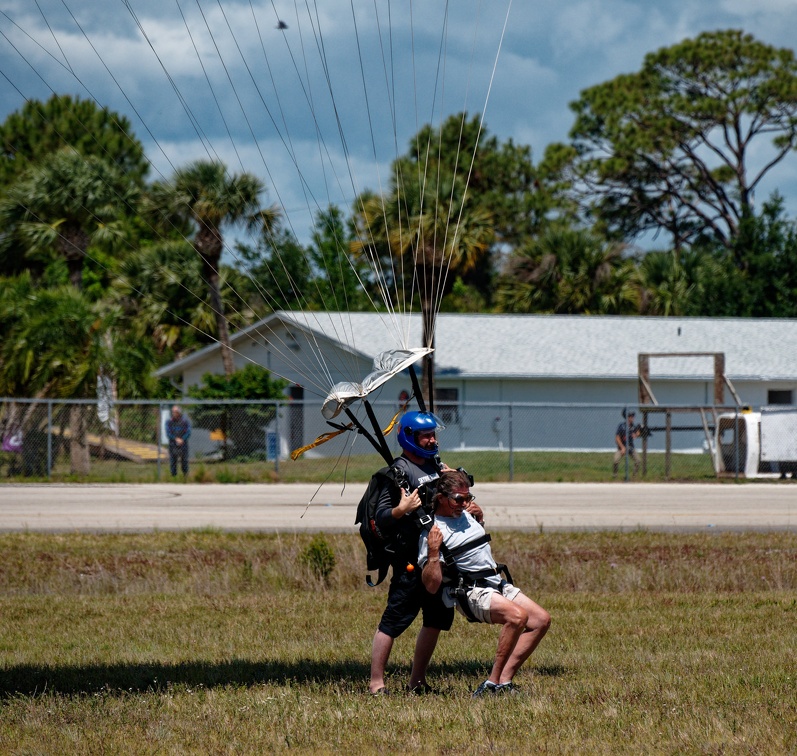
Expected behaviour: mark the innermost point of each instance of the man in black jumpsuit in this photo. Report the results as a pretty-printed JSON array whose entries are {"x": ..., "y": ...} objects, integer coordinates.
[{"x": 396, "y": 517}]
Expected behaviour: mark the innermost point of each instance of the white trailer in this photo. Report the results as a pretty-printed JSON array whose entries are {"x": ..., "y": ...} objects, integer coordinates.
[{"x": 757, "y": 444}]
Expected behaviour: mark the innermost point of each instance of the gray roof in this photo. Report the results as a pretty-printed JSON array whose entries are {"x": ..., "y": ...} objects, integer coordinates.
[{"x": 572, "y": 346}]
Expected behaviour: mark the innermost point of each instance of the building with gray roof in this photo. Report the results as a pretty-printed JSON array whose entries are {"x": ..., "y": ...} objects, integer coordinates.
[{"x": 516, "y": 359}]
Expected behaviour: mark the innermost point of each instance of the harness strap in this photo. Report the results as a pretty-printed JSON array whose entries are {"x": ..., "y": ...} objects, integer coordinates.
[
  {"x": 381, "y": 575},
  {"x": 460, "y": 592},
  {"x": 468, "y": 545},
  {"x": 476, "y": 575},
  {"x": 468, "y": 580}
]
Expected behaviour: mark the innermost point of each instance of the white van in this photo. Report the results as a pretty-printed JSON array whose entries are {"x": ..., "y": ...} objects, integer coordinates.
[{"x": 757, "y": 444}]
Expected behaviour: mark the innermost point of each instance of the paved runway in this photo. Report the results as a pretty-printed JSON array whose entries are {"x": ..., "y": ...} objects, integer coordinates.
[{"x": 294, "y": 507}]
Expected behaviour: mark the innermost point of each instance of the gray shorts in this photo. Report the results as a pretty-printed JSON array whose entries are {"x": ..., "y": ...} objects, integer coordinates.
[{"x": 479, "y": 600}]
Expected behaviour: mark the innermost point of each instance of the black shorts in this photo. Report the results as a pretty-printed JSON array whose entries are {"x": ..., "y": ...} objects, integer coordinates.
[{"x": 406, "y": 598}]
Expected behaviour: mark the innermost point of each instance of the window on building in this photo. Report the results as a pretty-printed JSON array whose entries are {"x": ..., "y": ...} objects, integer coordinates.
[
  {"x": 779, "y": 396},
  {"x": 446, "y": 405}
]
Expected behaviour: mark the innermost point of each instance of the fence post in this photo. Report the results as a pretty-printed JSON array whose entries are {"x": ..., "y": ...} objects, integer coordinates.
[
  {"x": 160, "y": 442},
  {"x": 627, "y": 436},
  {"x": 511, "y": 448},
  {"x": 279, "y": 439},
  {"x": 49, "y": 439},
  {"x": 736, "y": 443}
]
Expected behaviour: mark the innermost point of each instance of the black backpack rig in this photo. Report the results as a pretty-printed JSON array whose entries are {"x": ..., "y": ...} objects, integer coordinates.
[{"x": 380, "y": 548}]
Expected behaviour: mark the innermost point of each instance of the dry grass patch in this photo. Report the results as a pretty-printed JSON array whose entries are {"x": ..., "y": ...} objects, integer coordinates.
[{"x": 209, "y": 642}]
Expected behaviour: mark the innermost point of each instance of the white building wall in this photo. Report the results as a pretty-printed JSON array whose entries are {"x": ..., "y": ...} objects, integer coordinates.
[{"x": 292, "y": 356}]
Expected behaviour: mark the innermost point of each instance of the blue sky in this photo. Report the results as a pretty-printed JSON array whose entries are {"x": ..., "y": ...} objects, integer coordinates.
[{"x": 199, "y": 78}]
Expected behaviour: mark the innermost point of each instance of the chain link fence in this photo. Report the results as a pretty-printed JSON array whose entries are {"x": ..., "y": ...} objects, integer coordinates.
[{"x": 240, "y": 441}]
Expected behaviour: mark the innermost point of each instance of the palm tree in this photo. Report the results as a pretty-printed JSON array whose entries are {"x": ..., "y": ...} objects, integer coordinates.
[
  {"x": 56, "y": 344},
  {"x": 206, "y": 196},
  {"x": 570, "y": 271},
  {"x": 162, "y": 291},
  {"x": 60, "y": 208},
  {"x": 419, "y": 236},
  {"x": 671, "y": 281},
  {"x": 63, "y": 206}
]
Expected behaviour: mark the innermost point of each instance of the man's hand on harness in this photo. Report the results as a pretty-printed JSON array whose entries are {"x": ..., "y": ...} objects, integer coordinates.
[
  {"x": 432, "y": 575},
  {"x": 409, "y": 502},
  {"x": 475, "y": 511}
]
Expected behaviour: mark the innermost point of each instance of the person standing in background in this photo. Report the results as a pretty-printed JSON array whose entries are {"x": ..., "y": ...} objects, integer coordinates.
[
  {"x": 624, "y": 440},
  {"x": 178, "y": 431}
]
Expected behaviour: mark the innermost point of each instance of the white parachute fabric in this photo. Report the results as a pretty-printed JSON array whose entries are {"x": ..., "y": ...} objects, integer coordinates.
[{"x": 386, "y": 365}]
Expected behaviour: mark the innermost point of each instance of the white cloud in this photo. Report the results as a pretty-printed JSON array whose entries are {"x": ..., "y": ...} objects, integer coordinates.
[{"x": 551, "y": 52}]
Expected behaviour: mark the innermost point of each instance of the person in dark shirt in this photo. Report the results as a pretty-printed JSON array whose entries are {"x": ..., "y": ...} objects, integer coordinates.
[
  {"x": 626, "y": 445},
  {"x": 178, "y": 431},
  {"x": 396, "y": 516}
]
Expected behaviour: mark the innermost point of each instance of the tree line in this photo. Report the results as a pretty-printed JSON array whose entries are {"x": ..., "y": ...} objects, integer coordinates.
[{"x": 108, "y": 273}]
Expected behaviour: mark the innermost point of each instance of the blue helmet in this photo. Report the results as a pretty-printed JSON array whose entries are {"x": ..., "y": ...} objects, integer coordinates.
[{"x": 413, "y": 423}]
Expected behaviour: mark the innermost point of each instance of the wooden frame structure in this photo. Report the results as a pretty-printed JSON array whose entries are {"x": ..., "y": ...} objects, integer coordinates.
[{"x": 649, "y": 405}]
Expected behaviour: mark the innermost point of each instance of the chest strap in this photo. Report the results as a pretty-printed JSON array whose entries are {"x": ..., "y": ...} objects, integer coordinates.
[{"x": 468, "y": 545}]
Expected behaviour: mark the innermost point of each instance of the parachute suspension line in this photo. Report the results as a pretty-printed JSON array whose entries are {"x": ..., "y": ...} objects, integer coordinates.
[
  {"x": 240, "y": 104},
  {"x": 320, "y": 46},
  {"x": 399, "y": 279},
  {"x": 377, "y": 266},
  {"x": 448, "y": 249},
  {"x": 390, "y": 303},
  {"x": 400, "y": 194},
  {"x": 257, "y": 286},
  {"x": 390, "y": 85},
  {"x": 90, "y": 213},
  {"x": 437, "y": 279},
  {"x": 321, "y": 388},
  {"x": 321, "y": 51},
  {"x": 55, "y": 39},
  {"x": 203, "y": 138},
  {"x": 380, "y": 447},
  {"x": 360, "y": 280},
  {"x": 187, "y": 241},
  {"x": 301, "y": 295},
  {"x": 64, "y": 64},
  {"x": 68, "y": 67},
  {"x": 207, "y": 77},
  {"x": 116, "y": 82},
  {"x": 339, "y": 246},
  {"x": 484, "y": 111},
  {"x": 307, "y": 89},
  {"x": 416, "y": 389},
  {"x": 182, "y": 100},
  {"x": 383, "y": 449},
  {"x": 426, "y": 237},
  {"x": 420, "y": 277},
  {"x": 98, "y": 262}
]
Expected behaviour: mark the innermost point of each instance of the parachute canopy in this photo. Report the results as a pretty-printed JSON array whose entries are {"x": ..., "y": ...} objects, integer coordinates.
[{"x": 386, "y": 365}]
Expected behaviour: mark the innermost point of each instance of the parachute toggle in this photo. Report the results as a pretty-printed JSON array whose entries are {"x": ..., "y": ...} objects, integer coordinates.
[{"x": 386, "y": 365}]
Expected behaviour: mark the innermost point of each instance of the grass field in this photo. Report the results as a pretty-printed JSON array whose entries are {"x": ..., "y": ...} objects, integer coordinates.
[
  {"x": 206, "y": 642},
  {"x": 487, "y": 466}
]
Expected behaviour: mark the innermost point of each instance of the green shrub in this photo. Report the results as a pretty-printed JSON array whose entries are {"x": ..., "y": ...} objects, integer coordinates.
[{"x": 319, "y": 558}]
